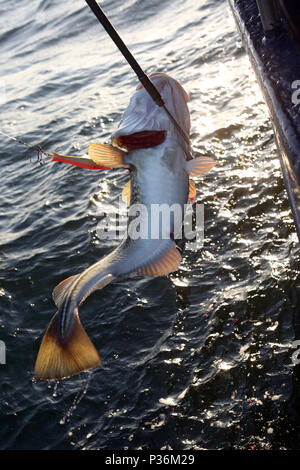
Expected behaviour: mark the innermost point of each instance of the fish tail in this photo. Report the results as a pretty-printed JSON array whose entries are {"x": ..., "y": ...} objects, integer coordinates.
[
  {"x": 62, "y": 355},
  {"x": 66, "y": 349}
]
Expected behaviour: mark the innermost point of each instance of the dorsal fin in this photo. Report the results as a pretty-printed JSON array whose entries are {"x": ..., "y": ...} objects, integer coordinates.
[{"x": 59, "y": 292}]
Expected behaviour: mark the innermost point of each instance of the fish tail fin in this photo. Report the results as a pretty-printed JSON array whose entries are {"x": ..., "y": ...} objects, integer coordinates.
[{"x": 61, "y": 357}]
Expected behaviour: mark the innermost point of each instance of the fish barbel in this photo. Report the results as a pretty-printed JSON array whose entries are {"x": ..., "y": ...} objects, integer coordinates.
[{"x": 147, "y": 143}]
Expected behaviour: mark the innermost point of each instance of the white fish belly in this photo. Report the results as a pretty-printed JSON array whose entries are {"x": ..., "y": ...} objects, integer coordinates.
[{"x": 162, "y": 183}]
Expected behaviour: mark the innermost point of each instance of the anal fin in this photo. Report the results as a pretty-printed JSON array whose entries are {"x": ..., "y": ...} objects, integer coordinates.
[{"x": 166, "y": 263}]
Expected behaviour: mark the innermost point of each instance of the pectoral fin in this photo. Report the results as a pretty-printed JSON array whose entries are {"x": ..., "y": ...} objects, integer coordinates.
[
  {"x": 200, "y": 165},
  {"x": 107, "y": 155}
]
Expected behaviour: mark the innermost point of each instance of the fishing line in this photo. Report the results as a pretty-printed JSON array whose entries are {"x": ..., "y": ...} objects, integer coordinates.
[
  {"x": 143, "y": 78},
  {"x": 36, "y": 148}
]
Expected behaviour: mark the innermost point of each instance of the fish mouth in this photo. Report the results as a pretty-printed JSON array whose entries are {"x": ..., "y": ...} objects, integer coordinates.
[
  {"x": 144, "y": 124},
  {"x": 140, "y": 140}
]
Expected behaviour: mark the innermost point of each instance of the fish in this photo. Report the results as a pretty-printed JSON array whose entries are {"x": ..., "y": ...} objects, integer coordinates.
[{"x": 160, "y": 166}]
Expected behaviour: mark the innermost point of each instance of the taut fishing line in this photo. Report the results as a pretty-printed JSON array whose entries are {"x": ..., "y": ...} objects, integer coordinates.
[
  {"x": 36, "y": 148},
  {"x": 143, "y": 78}
]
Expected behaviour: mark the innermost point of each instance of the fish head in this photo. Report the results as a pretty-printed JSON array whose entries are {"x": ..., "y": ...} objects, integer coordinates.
[
  {"x": 174, "y": 96},
  {"x": 149, "y": 123}
]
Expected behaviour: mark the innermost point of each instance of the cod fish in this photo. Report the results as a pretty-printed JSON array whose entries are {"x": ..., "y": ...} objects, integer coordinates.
[{"x": 147, "y": 143}]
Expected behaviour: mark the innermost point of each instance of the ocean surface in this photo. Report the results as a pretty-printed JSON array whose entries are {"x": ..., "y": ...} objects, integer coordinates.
[{"x": 203, "y": 358}]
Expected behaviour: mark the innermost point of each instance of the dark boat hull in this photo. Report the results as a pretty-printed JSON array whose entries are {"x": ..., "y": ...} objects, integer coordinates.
[{"x": 276, "y": 61}]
